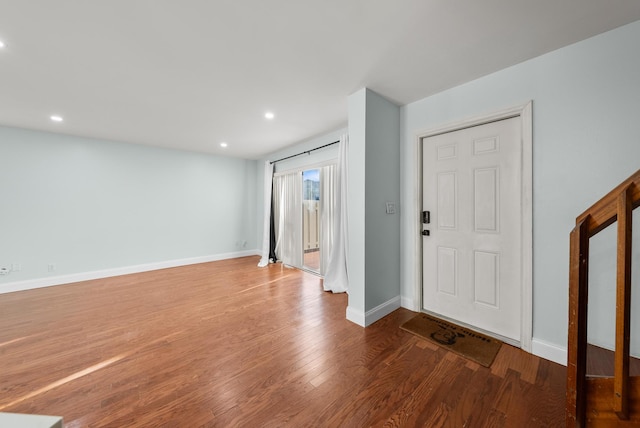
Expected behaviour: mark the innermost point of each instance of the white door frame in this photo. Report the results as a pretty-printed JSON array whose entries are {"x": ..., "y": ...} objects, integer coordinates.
[{"x": 524, "y": 112}]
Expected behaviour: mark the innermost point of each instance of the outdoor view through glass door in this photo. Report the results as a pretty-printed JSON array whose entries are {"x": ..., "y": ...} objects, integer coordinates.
[{"x": 311, "y": 219}]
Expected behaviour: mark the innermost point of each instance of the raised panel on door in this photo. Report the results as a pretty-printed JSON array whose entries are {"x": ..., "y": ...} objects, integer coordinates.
[
  {"x": 447, "y": 271},
  {"x": 486, "y": 205},
  {"x": 486, "y": 279},
  {"x": 447, "y": 200}
]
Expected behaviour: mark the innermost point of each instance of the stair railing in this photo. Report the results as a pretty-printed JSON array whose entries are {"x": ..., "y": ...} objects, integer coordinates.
[{"x": 614, "y": 401}]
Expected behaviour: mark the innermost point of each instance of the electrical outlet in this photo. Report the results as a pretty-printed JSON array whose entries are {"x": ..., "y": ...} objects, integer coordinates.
[
  {"x": 51, "y": 267},
  {"x": 16, "y": 267},
  {"x": 4, "y": 271}
]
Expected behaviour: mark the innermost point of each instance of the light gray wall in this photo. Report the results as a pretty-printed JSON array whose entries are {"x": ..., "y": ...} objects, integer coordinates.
[
  {"x": 88, "y": 205},
  {"x": 374, "y": 179},
  {"x": 586, "y": 140},
  {"x": 382, "y": 234}
]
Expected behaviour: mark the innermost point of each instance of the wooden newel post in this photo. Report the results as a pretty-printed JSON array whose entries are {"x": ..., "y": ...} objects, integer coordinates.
[
  {"x": 577, "y": 346},
  {"x": 623, "y": 305}
]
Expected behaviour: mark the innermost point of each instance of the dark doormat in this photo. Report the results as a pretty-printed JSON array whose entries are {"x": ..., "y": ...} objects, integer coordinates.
[{"x": 467, "y": 343}]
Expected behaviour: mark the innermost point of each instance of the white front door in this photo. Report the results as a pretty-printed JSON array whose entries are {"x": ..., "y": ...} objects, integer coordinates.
[{"x": 472, "y": 257}]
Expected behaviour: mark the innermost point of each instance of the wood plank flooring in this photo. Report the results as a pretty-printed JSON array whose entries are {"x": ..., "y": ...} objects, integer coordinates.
[
  {"x": 228, "y": 344},
  {"x": 600, "y": 362}
]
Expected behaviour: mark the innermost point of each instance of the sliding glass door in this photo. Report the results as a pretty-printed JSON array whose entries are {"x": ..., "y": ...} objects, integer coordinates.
[{"x": 304, "y": 204}]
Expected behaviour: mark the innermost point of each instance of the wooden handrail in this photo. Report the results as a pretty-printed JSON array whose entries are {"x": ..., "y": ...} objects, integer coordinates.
[
  {"x": 605, "y": 398},
  {"x": 604, "y": 212}
]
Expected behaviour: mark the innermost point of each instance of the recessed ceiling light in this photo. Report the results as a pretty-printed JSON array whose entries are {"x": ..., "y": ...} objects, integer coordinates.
[
  {"x": 56, "y": 118},
  {"x": 223, "y": 145},
  {"x": 269, "y": 115}
]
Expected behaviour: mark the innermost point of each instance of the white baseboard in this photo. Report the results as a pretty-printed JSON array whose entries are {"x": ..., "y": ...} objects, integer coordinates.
[
  {"x": 408, "y": 303},
  {"x": 356, "y": 316},
  {"x": 549, "y": 351},
  {"x": 125, "y": 270},
  {"x": 381, "y": 311},
  {"x": 374, "y": 314}
]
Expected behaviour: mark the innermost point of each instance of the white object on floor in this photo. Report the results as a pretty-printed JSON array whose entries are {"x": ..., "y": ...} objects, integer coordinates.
[{"x": 15, "y": 420}]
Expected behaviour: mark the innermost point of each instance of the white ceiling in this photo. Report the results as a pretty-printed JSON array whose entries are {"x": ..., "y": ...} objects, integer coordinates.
[{"x": 190, "y": 74}]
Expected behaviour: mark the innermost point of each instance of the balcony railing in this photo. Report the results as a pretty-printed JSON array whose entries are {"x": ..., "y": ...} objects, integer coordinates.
[{"x": 311, "y": 225}]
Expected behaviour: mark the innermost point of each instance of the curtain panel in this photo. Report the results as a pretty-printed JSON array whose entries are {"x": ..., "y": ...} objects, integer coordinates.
[
  {"x": 266, "y": 231},
  {"x": 287, "y": 206},
  {"x": 328, "y": 183},
  {"x": 336, "y": 278}
]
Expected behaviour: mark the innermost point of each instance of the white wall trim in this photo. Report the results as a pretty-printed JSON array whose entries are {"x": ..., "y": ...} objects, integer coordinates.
[
  {"x": 549, "y": 351},
  {"x": 416, "y": 224},
  {"x": 125, "y": 270},
  {"x": 356, "y": 316},
  {"x": 524, "y": 111},
  {"x": 381, "y": 311},
  {"x": 526, "y": 255},
  {"x": 375, "y": 314},
  {"x": 408, "y": 303}
]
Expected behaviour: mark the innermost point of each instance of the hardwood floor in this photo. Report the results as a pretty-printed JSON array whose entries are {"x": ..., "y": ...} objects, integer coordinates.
[
  {"x": 600, "y": 362},
  {"x": 312, "y": 260},
  {"x": 228, "y": 344}
]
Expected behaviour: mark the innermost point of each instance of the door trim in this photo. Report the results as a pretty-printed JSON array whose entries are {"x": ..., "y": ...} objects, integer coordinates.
[{"x": 524, "y": 112}]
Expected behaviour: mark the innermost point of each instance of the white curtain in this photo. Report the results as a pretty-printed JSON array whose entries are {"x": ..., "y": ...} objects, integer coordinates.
[
  {"x": 336, "y": 278},
  {"x": 328, "y": 185},
  {"x": 288, "y": 218},
  {"x": 268, "y": 177}
]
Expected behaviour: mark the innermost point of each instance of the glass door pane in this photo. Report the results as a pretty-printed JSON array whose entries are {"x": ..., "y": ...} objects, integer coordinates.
[{"x": 311, "y": 219}]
